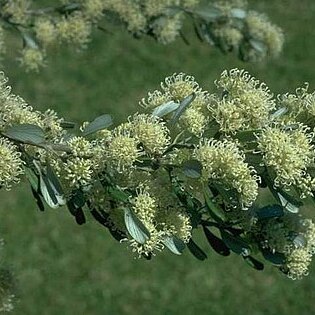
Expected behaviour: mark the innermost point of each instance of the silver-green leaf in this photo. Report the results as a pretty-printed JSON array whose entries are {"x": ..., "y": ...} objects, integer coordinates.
[
  {"x": 135, "y": 227},
  {"x": 165, "y": 109},
  {"x": 174, "y": 244},
  {"x": 97, "y": 124},
  {"x": 26, "y": 133}
]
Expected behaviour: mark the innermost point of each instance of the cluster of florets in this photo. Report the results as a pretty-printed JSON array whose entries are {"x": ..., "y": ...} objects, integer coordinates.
[
  {"x": 11, "y": 165},
  {"x": 229, "y": 25},
  {"x": 294, "y": 237},
  {"x": 299, "y": 106},
  {"x": 289, "y": 152},
  {"x": 246, "y": 104},
  {"x": 222, "y": 162},
  {"x": 151, "y": 179},
  {"x": 232, "y": 27}
]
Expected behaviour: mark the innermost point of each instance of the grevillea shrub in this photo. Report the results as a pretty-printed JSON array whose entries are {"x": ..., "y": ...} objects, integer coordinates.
[
  {"x": 229, "y": 25},
  {"x": 186, "y": 160}
]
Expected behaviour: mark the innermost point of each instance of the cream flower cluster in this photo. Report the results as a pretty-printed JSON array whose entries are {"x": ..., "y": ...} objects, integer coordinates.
[
  {"x": 223, "y": 162},
  {"x": 230, "y": 25},
  {"x": 293, "y": 237},
  {"x": 289, "y": 153}
]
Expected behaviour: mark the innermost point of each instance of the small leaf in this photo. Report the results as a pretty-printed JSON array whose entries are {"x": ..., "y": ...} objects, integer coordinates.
[
  {"x": 54, "y": 180},
  {"x": 192, "y": 168},
  {"x": 77, "y": 212},
  {"x": 47, "y": 192},
  {"x": 247, "y": 135},
  {"x": 135, "y": 227},
  {"x": 216, "y": 243},
  {"x": 277, "y": 259},
  {"x": 196, "y": 250},
  {"x": 165, "y": 109},
  {"x": 258, "y": 45},
  {"x": 299, "y": 241},
  {"x": 174, "y": 244},
  {"x": 38, "y": 199},
  {"x": 238, "y": 13},
  {"x": 272, "y": 211},
  {"x": 207, "y": 13},
  {"x": 26, "y": 133},
  {"x": 230, "y": 195},
  {"x": 77, "y": 198},
  {"x": 288, "y": 202},
  {"x": 29, "y": 41},
  {"x": 32, "y": 178},
  {"x": 97, "y": 124},
  {"x": 254, "y": 263},
  {"x": 235, "y": 243},
  {"x": 281, "y": 111},
  {"x": 67, "y": 124},
  {"x": 101, "y": 217},
  {"x": 117, "y": 194},
  {"x": 79, "y": 216},
  {"x": 182, "y": 107},
  {"x": 214, "y": 210}
]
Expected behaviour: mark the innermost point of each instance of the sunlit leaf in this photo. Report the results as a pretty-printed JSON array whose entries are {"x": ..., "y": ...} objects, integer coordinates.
[
  {"x": 174, "y": 244},
  {"x": 238, "y": 13},
  {"x": 135, "y": 227},
  {"x": 207, "y": 13},
  {"x": 182, "y": 107},
  {"x": 165, "y": 109},
  {"x": 97, "y": 124}
]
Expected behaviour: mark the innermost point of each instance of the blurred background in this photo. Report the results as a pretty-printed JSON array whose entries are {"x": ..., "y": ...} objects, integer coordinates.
[{"x": 63, "y": 268}]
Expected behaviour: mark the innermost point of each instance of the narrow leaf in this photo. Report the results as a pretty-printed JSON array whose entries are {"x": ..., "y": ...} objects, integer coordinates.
[
  {"x": 272, "y": 211},
  {"x": 207, "y": 13},
  {"x": 299, "y": 241},
  {"x": 47, "y": 192},
  {"x": 32, "y": 178},
  {"x": 196, "y": 250},
  {"x": 97, "y": 124},
  {"x": 258, "y": 45},
  {"x": 289, "y": 202},
  {"x": 277, "y": 259},
  {"x": 165, "y": 109},
  {"x": 238, "y": 13},
  {"x": 67, "y": 125},
  {"x": 254, "y": 263},
  {"x": 26, "y": 133},
  {"x": 235, "y": 243},
  {"x": 214, "y": 210},
  {"x": 135, "y": 227},
  {"x": 182, "y": 107},
  {"x": 117, "y": 194},
  {"x": 174, "y": 244},
  {"x": 192, "y": 168},
  {"x": 216, "y": 243},
  {"x": 38, "y": 199},
  {"x": 281, "y": 111}
]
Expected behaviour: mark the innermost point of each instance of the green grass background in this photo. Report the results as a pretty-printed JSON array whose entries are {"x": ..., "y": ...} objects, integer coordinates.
[{"x": 62, "y": 268}]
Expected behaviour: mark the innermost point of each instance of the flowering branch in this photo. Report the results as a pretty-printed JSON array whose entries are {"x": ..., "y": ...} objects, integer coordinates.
[
  {"x": 229, "y": 25},
  {"x": 189, "y": 160}
]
